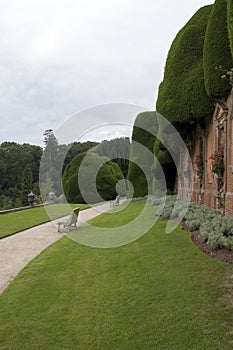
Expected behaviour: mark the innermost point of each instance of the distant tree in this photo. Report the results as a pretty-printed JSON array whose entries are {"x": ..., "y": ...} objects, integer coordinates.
[
  {"x": 14, "y": 158},
  {"x": 46, "y": 187},
  {"x": 36, "y": 191},
  {"x": 52, "y": 163},
  {"x": 7, "y": 203},
  {"x": 47, "y": 136},
  {"x": 26, "y": 185},
  {"x": 117, "y": 150},
  {"x": 51, "y": 148},
  {"x": 18, "y": 203}
]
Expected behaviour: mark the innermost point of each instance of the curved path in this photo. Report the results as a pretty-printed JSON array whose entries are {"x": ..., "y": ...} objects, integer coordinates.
[{"x": 18, "y": 250}]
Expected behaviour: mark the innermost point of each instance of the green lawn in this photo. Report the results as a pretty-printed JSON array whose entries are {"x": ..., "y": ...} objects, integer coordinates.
[
  {"x": 158, "y": 293},
  {"x": 21, "y": 220}
]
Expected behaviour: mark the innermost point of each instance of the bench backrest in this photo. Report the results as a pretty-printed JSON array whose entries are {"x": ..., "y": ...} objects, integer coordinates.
[{"x": 74, "y": 216}]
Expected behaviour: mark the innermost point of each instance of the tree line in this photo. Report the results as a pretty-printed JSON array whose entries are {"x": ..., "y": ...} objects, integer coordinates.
[{"x": 22, "y": 164}]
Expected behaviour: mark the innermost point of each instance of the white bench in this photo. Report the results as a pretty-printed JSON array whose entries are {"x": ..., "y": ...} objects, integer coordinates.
[
  {"x": 71, "y": 222},
  {"x": 115, "y": 202}
]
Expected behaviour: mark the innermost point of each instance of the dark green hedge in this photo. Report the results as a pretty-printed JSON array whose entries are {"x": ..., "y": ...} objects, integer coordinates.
[
  {"x": 139, "y": 173},
  {"x": 162, "y": 159},
  {"x": 107, "y": 177},
  {"x": 182, "y": 97},
  {"x": 230, "y": 23},
  {"x": 217, "y": 52},
  {"x": 161, "y": 153},
  {"x": 139, "y": 180}
]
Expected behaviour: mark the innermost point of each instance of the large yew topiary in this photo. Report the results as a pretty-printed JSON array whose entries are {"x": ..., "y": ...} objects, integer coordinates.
[
  {"x": 108, "y": 175},
  {"x": 141, "y": 153},
  {"x": 230, "y": 23},
  {"x": 164, "y": 162},
  {"x": 182, "y": 97},
  {"x": 217, "y": 52},
  {"x": 162, "y": 154}
]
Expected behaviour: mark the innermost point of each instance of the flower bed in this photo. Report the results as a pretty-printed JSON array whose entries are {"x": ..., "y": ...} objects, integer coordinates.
[{"x": 215, "y": 229}]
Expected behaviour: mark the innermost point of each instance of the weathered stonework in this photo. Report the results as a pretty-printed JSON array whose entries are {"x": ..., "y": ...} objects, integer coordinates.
[{"x": 209, "y": 189}]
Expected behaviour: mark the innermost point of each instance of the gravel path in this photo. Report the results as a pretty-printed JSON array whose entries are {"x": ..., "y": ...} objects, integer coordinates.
[{"x": 18, "y": 250}]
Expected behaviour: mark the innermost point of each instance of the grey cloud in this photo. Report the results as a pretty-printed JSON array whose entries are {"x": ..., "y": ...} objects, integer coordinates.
[{"x": 61, "y": 57}]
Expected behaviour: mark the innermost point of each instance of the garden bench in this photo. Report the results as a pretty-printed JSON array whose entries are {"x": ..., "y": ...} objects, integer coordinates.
[
  {"x": 71, "y": 222},
  {"x": 115, "y": 202}
]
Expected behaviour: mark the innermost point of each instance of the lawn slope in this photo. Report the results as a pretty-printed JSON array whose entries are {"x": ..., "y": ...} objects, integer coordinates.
[
  {"x": 21, "y": 220},
  {"x": 159, "y": 292}
]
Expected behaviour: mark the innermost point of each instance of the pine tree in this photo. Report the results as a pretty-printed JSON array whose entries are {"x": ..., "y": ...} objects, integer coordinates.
[
  {"x": 52, "y": 162},
  {"x": 26, "y": 184}
]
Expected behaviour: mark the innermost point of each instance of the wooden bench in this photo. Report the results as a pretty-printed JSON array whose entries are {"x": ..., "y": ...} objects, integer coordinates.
[
  {"x": 115, "y": 202},
  {"x": 71, "y": 222}
]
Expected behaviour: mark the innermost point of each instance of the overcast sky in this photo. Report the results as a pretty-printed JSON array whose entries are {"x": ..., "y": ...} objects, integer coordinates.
[{"x": 60, "y": 57}]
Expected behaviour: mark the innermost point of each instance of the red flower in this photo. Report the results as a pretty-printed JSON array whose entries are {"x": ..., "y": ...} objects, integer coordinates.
[
  {"x": 221, "y": 153},
  {"x": 213, "y": 158},
  {"x": 217, "y": 160}
]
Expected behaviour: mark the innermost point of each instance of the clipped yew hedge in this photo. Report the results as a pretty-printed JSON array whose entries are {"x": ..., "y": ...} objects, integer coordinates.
[
  {"x": 217, "y": 52},
  {"x": 182, "y": 97},
  {"x": 162, "y": 154},
  {"x": 141, "y": 153},
  {"x": 107, "y": 177},
  {"x": 230, "y": 23}
]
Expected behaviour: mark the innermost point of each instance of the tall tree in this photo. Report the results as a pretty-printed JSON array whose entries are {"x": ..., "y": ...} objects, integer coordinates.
[
  {"x": 26, "y": 185},
  {"x": 52, "y": 163},
  {"x": 14, "y": 158}
]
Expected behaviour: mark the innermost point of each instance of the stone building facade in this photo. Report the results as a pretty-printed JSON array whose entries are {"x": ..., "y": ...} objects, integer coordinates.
[{"x": 212, "y": 161}]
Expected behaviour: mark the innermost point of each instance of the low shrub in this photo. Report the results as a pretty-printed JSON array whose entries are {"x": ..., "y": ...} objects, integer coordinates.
[
  {"x": 218, "y": 232},
  {"x": 215, "y": 229}
]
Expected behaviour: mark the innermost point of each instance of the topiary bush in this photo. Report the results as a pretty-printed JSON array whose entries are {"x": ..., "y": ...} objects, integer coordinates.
[
  {"x": 141, "y": 153},
  {"x": 164, "y": 160},
  {"x": 106, "y": 180},
  {"x": 182, "y": 97},
  {"x": 217, "y": 51},
  {"x": 161, "y": 153},
  {"x": 230, "y": 23}
]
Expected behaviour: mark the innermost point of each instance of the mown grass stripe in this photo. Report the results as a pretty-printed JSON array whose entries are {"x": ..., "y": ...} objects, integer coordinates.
[
  {"x": 15, "y": 222},
  {"x": 159, "y": 292}
]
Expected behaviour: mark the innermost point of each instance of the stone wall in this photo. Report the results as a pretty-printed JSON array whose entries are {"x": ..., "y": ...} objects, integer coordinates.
[{"x": 214, "y": 191}]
